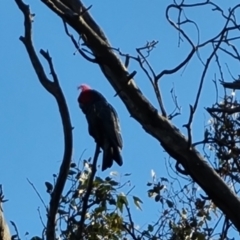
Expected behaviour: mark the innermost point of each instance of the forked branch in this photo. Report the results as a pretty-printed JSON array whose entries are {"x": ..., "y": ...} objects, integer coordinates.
[{"x": 53, "y": 88}]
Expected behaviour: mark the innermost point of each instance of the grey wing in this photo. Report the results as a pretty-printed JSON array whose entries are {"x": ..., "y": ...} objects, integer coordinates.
[
  {"x": 110, "y": 122},
  {"x": 91, "y": 116},
  {"x": 116, "y": 124}
]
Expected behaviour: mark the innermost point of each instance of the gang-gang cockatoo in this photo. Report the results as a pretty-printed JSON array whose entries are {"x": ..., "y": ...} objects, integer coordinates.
[{"x": 103, "y": 124}]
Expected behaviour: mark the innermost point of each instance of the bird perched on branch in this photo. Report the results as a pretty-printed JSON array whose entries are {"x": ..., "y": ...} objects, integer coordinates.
[{"x": 103, "y": 124}]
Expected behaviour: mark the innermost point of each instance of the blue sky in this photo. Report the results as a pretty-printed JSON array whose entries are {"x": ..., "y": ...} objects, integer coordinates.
[{"x": 31, "y": 132}]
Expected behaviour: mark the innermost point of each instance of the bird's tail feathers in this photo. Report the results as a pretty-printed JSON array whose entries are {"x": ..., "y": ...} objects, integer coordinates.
[
  {"x": 117, "y": 156},
  {"x": 107, "y": 158},
  {"x": 110, "y": 154}
]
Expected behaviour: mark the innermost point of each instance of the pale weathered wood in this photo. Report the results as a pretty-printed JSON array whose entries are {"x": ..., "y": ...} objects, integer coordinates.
[{"x": 4, "y": 230}]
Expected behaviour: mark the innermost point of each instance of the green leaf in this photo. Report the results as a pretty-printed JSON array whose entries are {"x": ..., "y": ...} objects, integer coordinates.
[
  {"x": 137, "y": 202},
  {"x": 201, "y": 213},
  {"x": 199, "y": 236},
  {"x": 73, "y": 165},
  {"x": 164, "y": 179},
  {"x": 157, "y": 198},
  {"x": 169, "y": 203},
  {"x": 113, "y": 183},
  {"x": 49, "y": 187},
  {"x": 71, "y": 172},
  {"x": 151, "y": 193},
  {"x": 157, "y": 188},
  {"x": 86, "y": 172},
  {"x": 184, "y": 213},
  {"x": 85, "y": 163},
  {"x": 146, "y": 233},
  {"x": 121, "y": 200},
  {"x": 36, "y": 238},
  {"x": 150, "y": 228},
  {"x": 112, "y": 201},
  {"x": 208, "y": 217},
  {"x": 108, "y": 179},
  {"x": 119, "y": 204},
  {"x": 98, "y": 179}
]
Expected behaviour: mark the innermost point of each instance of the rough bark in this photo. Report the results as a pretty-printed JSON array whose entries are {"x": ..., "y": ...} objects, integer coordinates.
[
  {"x": 142, "y": 110},
  {"x": 4, "y": 230}
]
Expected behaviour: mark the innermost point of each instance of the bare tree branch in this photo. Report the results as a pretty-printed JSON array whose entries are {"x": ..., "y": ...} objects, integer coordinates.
[
  {"x": 36, "y": 191},
  {"x": 87, "y": 194},
  {"x": 77, "y": 45},
  {"x": 54, "y": 88},
  {"x": 154, "y": 80}
]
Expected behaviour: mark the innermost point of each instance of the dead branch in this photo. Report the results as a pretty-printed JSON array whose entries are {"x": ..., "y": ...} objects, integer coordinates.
[
  {"x": 53, "y": 88},
  {"x": 39, "y": 195}
]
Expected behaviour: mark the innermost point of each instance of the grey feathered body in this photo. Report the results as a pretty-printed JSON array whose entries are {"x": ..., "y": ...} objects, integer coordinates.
[{"x": 103, "y": 126}]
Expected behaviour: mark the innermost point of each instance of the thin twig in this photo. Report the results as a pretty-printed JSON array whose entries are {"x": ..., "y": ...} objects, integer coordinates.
[
  {"x": 194, "y": 107},
  {"x": 40, "y": 216},
  {"x": 154, "y": 80},
  {"x": 93, "y": 60},
  {"x": 16, "y": 230},
  {"x": 36, "y": 191},
  {"x": 131, "y": 222}
]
